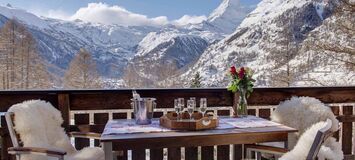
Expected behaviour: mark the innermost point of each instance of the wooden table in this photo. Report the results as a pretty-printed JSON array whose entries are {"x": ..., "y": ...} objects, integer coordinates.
[{"x": 173, "y": 139}]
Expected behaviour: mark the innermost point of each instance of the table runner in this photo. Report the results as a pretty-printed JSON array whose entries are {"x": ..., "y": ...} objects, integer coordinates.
[{"x": 125, "y": 126}]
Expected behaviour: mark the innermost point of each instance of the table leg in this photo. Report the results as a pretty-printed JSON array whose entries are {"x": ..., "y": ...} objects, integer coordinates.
[{"x": 107, "y": 147}]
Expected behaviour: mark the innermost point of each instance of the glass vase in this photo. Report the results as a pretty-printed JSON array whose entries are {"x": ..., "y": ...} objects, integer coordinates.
[{"x": 241, "y": 109}]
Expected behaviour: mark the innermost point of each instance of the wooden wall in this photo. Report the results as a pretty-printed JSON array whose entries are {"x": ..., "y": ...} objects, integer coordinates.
[{"x": 77, "y": 100}]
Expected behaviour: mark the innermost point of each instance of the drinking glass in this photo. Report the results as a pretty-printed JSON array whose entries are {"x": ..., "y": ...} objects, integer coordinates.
[
  {"x": 203, "y": 106},
  {"x": 190, "y": 108},
  {"x": 181, "y": 103},
  {"x": 177, "y": 108},
  {"x": 193, "y": 102}
]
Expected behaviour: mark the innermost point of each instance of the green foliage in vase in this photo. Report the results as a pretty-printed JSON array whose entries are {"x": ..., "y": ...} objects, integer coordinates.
[{"x": 241, "y": 78}]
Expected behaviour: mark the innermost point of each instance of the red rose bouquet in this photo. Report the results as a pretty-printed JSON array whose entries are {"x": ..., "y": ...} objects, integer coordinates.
[
  {"x": 241, "y": 79},
  {"x": 242, "y": 82}
]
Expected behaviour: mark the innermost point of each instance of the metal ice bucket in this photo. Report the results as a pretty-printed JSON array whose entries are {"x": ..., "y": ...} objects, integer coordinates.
[{"x": 143, "y": 110}]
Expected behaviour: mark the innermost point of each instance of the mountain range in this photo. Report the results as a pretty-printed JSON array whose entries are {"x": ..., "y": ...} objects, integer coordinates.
[
  {"x": 270, "y": 39},
  {"x": 278, "y": 41},
  {"x": 114, "y": 47}
]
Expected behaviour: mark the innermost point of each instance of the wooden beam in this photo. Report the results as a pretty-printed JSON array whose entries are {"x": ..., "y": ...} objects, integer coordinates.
[
  {"x": 81, "y": 119},
  {"x": 156, "y": 154},
  {"x": 223, "y": 152},
  {"x": 64, "y": 107},
  {"x": 165, "y": 98},
  {"x": 207, "y": 153},
  {"x": 7, "y": 99},
  {"x": 138, "y": 154},
  {"x": 174, "y": 153},
  {"x": 273, "y": 96},
  {"x": 120, "y": 98},
  {"x": 5, "y": 139},
  {"x": 336, "y": 111},
  {"x": 346, "y": 118},
  {"x": 191, "y": 153},
  {"x": 347, "y": 131}
]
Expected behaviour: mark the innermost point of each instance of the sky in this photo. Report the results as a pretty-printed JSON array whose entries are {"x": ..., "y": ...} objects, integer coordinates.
[{"x": 131, "y": 12}]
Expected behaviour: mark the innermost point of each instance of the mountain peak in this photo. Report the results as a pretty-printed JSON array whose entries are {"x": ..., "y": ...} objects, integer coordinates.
[
  {"x": 228, "y": 15},
  {"x": 23, "y": 16},
  {"x": 225, "y": 6}
]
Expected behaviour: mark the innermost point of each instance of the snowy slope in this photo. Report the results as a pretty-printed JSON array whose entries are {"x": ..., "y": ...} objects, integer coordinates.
[
  {"x": 114, "y": 47},
  {"x": 228, "y": 15},
  {"x": 257, "y": 43},
  {"x": 327, "y": 66},
  {"x": 173, "y": 49},
  {"x": 111, "y": 46},
  {"x": 23, "y": 16},
  {"x": 162, "y": 54},
  {"x": 155, "y": 45},
  {"x": 58, "y": 41}
]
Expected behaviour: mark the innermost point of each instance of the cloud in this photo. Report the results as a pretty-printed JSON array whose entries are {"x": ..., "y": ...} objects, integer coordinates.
[
  {"x": 187, "y": 19},
  {"x": 105, "y": 14}
]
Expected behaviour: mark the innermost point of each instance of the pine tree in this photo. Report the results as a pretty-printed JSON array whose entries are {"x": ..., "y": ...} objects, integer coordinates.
[
  {"x": 82, "y": 72},
  {"x": 196, "y": 81},
  {"x": 21, "y": 65}
]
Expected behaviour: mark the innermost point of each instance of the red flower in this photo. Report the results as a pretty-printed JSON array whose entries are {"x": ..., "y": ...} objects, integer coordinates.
[
  {"x": 233, "y": 70},
  {"x": 241, "y": 73}
]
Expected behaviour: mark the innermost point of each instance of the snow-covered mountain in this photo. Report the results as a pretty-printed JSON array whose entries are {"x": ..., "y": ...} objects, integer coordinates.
[
  {"x": 276, "y": 40},
  {"x": 270, "y": 40},
  {"x": 58, "y": 41},
  {"x": 160, "y": 55},
  {"x": 228, "y": 15},
  {"x": 330, "y": 52},
  {"x": 30, "y": 19},
  {"x": 114, "y": 47}
]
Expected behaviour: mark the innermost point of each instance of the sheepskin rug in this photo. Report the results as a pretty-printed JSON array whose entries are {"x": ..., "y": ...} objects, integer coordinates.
[
  {"x": 307, "y": 114},
  {"x": 330, "y": 150},
  {"x": 39, "y": 125},
  {"x": 301, "y": 113}
]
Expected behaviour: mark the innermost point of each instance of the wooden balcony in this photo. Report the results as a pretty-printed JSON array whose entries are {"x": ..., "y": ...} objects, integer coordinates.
[{"x": 85, "y": 110}]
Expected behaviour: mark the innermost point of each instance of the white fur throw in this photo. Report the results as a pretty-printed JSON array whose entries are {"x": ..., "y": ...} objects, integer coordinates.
[
  {"x": 39, "y": 125},
  {"x": 301, "y": 113},
  {"x": 331, "y": 150}
]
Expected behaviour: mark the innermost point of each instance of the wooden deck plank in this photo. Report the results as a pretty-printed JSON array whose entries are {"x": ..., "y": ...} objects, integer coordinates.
[
  {"x": 81, "y": 119},
  {"x": 64, "y": 107},
  {"x": 123, "y": 155},
  {"x": 156, "y": 154},
  {"x": 174, "y": 153},
  {"x": 347, "y": 129},
  {"x": 138, "y": 154},
  {"x": 100, "y": 118},
  {"x": 223, "y": 152},
  {"x": 336, "y": 111},
  {"x": 207, "y": 153},
  {"x": 191, "y": 153},
  {"x": 265, "y": 113},
  {"x": 238, "y": 152}
]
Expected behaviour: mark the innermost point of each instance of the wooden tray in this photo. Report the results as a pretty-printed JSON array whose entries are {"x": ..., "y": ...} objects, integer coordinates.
[{"x": 170, "y": 121}]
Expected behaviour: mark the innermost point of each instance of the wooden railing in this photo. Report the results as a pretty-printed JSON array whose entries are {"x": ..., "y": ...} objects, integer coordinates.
[{"x": 85, "y": 110}]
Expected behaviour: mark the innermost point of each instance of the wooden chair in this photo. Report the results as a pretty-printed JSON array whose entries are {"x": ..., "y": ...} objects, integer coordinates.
[
  {"x": 19, "y": 150},
  {"x": 320, "y": 138}
]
